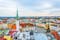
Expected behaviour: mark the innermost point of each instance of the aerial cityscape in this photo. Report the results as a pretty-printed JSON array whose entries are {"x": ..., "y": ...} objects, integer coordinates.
[
  {"x": 30, "y": 28},
  {"x": 29, "y": 19}
]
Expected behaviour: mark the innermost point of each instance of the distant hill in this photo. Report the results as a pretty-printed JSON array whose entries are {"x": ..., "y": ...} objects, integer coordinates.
[{"x": 34, "y": 17}]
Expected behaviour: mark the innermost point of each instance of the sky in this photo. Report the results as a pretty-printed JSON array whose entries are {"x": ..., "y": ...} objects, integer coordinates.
[{"x": 30, "y": 7}]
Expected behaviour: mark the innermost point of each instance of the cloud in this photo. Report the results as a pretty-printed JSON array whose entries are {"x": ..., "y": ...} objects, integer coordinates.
[
  {"x": 30, "y": 7},
  {"x": 40, "y": 7},
  {"x": 8, "y": 3},
  {"x": 7, "y": 8}
]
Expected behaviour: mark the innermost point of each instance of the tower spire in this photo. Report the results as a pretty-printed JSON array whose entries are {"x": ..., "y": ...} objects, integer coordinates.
[
  {"x": 17, "y": 21},
  {"x": 17, "y": 17}
]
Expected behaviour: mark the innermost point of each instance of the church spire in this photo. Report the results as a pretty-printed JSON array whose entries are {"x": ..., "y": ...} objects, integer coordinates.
[
  {"x": 17, "y": 21},
  {"x": 17, "y": 17}
]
